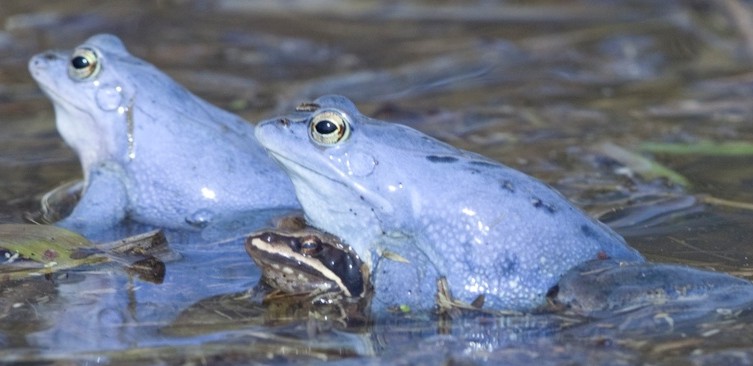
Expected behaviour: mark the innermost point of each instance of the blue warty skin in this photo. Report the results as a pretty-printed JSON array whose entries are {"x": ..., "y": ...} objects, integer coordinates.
[
  {"x": 415, "y": 208},
  {"x": 150, "y": 150}
]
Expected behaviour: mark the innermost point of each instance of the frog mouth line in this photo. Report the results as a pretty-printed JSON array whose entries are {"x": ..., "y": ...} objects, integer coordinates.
[
  {"x": 285, "y": 162},
  {"x": 301, "y": 170},
  {"x": 54, "y": 95},
  {"x": 365, "y": 194}
]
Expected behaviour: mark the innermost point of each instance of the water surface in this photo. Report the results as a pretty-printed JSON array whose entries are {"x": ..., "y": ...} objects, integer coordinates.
[{"x": 549, "y": 88}]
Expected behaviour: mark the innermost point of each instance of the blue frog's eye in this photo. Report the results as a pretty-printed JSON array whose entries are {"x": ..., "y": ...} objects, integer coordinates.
[
  {"x": 84, "y": 64},
  {"x": 329, "y": 127}
]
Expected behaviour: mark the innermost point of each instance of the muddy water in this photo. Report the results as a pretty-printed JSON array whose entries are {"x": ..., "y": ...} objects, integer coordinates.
[{"x": 571, "y": 92}]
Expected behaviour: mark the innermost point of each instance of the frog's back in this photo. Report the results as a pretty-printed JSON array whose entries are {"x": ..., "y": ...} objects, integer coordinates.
[
  {"x": 513, "y": 235},
  {"x": 191, "y": 161},
  {"x": 200, "y": 163},
  {"x": 489, "y": 229}
]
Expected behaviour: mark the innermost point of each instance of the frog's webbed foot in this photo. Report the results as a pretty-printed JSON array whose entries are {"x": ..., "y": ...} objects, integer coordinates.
[
  {"x": 447, "y": 305},
  {"x": 279, "y": 295},
  {"x": 316, "y": 307}
]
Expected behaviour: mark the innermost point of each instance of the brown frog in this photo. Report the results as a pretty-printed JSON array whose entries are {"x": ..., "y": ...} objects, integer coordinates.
[
  {"x": 310, "y": 274},
  {"x": 308, "y": 261}
]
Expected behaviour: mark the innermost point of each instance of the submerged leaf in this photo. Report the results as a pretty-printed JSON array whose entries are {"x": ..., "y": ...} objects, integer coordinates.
[
  {"x": 708, "y": 148},
  {"x": 42, "y": 249},
  {"x": 647, "y": 168}
]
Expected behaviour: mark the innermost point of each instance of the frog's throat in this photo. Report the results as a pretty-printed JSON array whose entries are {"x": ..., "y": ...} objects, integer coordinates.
[
  {"x": 126, "y": 111},
  {"x": 305, "y": 174}
]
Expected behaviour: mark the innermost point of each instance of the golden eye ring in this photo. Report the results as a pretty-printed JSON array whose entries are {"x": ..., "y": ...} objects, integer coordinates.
[
  {"x": 329, "y": 127},
  {"x": 84, "y": 64}
]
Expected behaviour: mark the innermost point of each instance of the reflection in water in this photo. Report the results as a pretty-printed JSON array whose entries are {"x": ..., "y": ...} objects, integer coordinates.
[
  {"x": 106, "y": 307},
  {"x": 538, "y": 87}
]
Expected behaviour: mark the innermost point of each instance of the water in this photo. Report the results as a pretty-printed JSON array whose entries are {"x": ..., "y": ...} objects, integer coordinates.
[{"x": 541, "y": 86}]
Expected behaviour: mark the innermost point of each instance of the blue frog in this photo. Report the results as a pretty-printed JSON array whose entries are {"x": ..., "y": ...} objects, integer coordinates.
[
  {"x": 415, "y": 209},
  {"x": 150, "y": 150}
]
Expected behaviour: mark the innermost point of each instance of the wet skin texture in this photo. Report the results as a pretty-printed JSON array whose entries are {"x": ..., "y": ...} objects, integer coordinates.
[
  {"x": 150, "y": 150},
  {"x": 387, "y": 189}
]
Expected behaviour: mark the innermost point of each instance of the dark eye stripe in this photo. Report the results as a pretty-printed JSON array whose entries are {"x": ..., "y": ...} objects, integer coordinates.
[{"x": 346, "y": 266}]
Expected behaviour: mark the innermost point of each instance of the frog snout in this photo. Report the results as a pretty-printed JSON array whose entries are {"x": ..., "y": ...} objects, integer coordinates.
[
  {"x": 41, "y": 61},
  {"x": 36, "y": 62},
  {"x": 263, "y": 130}
]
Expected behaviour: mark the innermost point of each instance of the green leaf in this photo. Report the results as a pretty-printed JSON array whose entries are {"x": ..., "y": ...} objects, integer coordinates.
[
  {"x": 51, "y": 248},
  {"x": 708, "y": 148},
  {"x": 641, "y": 165}
]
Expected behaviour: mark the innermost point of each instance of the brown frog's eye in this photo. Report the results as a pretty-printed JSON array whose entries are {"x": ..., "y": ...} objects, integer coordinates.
[
  {"x": 329, "y": 128},
  {"x": 84, "y": 64},
  {"x": 310, "y": 246}
]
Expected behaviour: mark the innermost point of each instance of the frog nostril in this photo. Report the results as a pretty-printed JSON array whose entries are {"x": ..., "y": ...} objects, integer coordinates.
[
  {"x": 284, "y": 121},
  {"x": 38, "y": 63},
  {"x": 49, "y": 56}
]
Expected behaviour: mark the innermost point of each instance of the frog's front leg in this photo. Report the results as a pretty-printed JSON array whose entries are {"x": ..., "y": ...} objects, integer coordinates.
[{"x": 103, "y": 203}]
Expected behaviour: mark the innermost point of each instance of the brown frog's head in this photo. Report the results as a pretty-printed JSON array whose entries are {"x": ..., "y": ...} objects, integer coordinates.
[{"x": 308, "y": 261}]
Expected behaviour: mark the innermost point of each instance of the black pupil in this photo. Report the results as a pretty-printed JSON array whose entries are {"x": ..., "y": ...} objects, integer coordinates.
[
  {"x": 80, "y": 62},
  {"x": 325, "y": 127}
]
